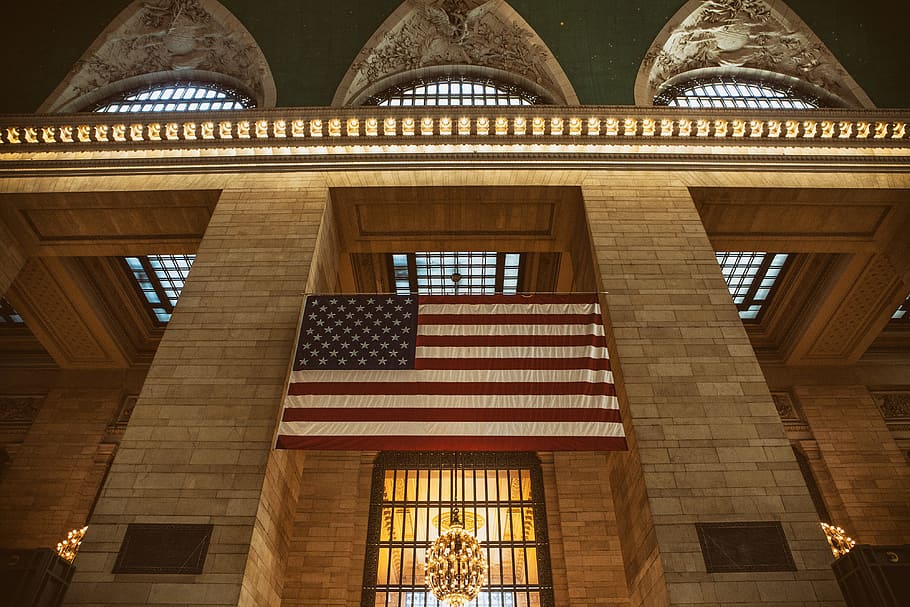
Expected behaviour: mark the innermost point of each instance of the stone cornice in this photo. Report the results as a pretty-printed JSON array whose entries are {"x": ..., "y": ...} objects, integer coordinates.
[{"x": 545, "y": 135}]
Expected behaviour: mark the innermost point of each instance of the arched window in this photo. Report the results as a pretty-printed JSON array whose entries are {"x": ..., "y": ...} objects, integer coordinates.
[
  {"x": 177, "y": 97},
  {"x": 729, "y": 92},
  {"x": 454, "y": 90}
]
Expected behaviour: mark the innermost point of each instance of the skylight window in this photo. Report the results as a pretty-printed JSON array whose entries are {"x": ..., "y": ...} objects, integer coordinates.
[
  {"x": 902, "y": 314},
  {"x": 751, "y": 277},
  {"x": 454, "y": 90},
  {"x": 732, "y": 93},
  {"x": 160, "y": 279},
  {"x": 177, "y": 97},
  {"x": 8, "y": 316},
  {"x": 474, "y": 273}
]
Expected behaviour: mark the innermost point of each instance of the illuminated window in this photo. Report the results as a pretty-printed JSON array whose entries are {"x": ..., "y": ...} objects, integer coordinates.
[
  {"x": 160, "y": 279},
  {"x": 751, "y": 277},
  {"x": 478, "y": 273},
  {"x": 501, "y": 498},
  {"x": 8, "y": 316},
  {"x": 728, "y": 92},
  {"x": 454, "y": 90},
  {"x": 902, "y": 314},
  {"x": 177, "y": 97}
]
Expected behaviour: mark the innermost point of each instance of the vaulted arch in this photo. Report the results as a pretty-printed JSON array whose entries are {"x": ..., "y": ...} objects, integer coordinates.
[
  {"x": 755, "y": 39},
  {"x": 423, "y": 38},
  {"x": 156, "y": 41}
]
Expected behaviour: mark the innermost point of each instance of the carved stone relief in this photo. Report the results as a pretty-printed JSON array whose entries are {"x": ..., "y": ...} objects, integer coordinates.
[
  {"x": 18, "y": 410},
  {"x": 785, "y": 407},
  {"x": 482, "y": 33},
  {"x": 118, "y": 424},
  {"x": 893, "y": 405},
  {"x": 731, "y": 34},
  {"x": 169, "y": 36}
]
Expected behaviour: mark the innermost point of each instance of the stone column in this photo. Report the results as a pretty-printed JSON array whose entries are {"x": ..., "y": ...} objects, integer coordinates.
[
  {"x": 199, "y": 442},
  {"x": 869, "y": 472},
  {"x": 709, "y": 441}
]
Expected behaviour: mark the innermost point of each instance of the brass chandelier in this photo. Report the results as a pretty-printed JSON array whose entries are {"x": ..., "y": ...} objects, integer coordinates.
[{"x": 455, "y": 567}]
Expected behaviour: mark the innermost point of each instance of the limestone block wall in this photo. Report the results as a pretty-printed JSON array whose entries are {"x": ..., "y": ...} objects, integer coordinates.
[
  {"x": 870, "y": 475},
  {"x": 199, "y": 441},
  {"x": 325, "y": 561},
  {"x": 50, "y": 485},
  {"x": 584, "y": 521},
  {"x": 711, "y": 445}
]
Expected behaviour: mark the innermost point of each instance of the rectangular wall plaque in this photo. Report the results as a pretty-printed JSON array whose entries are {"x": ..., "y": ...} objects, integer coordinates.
[
  {"x": 163, "y": 548},
  {"x": 747, "y": 546}
]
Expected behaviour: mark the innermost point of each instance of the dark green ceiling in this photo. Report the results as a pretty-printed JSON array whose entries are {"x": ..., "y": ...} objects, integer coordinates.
[{"x": 310, "y": 44}]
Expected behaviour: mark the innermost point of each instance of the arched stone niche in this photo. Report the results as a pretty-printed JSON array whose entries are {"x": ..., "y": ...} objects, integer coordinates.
[
  {"x": 732, "y": 36},
  {"x": 468, "y": 37},
  {"x": 155, "y": 41}
]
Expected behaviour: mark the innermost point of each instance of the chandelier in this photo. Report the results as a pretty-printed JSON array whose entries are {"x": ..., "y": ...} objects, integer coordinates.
[
  {"x": 455, "y": 566},
  {"x": 840, "y": 543},
  {"x": 68, "y": 548}
]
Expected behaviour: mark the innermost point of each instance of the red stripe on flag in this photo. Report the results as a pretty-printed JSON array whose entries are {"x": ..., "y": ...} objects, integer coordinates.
[
  {"x": 453, "y": 388},
  {"x": 567, "y": 298},
  {"x": 444, "y": 414},
  {"x": 453, "y": 443},
  {"x": 509, "y": 319},
  {"x": 511, "y": 340},
  {"x": 491, "y": 364}
]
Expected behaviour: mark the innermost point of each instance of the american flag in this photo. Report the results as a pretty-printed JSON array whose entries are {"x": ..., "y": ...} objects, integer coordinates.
[{"x": 494, "y": 373}]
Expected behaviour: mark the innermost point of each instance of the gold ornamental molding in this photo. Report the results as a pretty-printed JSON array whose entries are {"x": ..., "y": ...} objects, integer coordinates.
[{"x": 535, "y": 133}]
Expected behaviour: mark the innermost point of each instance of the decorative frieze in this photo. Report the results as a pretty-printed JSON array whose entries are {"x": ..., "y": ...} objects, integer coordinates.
[{"x": 113, "y": 131}]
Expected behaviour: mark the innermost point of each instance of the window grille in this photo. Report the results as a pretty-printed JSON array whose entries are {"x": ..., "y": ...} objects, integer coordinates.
[
  {"x": 734, "y": 93},
  {"x": 501, "y": 498},
  {"x": 480, "y": 273},
  {"x": 177, "y": 97},
  {"x": 160, "y": 279},
  {"x": 751, "y": 277},
  {"x": 454, "y": 90},
  {"x": 8, "y": 316}
]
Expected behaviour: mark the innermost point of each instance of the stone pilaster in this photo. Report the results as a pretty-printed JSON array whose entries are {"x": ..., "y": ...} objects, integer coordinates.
[
  {"x": 868, "y": 470},
  {"x": 197, "y": 449},
  {"x": 708, "y": 437},
  {"x": 51, "y": 484}
]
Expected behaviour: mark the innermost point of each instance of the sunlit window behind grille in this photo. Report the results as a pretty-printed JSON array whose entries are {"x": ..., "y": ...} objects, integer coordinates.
[
  {"x": 502, "y": 505},
  {"x": 178, "y": 98}
]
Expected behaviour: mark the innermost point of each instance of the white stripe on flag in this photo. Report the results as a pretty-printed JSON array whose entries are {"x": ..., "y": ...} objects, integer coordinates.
[{"x": 451, "y": 428}]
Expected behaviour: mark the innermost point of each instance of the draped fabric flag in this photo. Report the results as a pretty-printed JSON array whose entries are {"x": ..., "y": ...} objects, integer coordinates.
[{"x": 484, "y": 373}]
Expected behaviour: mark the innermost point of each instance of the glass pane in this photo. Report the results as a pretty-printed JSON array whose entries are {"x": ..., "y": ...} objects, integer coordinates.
[{"x": 176, "y": 92}]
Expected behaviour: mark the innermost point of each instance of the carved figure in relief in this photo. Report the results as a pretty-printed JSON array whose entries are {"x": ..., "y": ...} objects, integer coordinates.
[
  {"x": 453, "y": 32},
  {"x": 742, "y": 33},
  {"x": 168, "y": 36}
]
